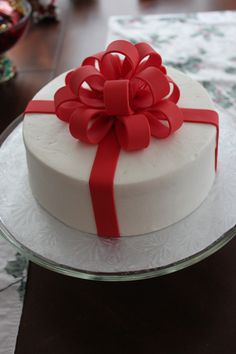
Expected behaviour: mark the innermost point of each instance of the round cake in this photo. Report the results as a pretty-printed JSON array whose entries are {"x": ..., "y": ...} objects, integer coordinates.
[{"x": 153, "y": 187}]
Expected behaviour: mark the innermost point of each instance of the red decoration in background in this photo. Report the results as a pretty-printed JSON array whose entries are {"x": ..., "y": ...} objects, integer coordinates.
[
  {"x": 118, "y": 99},
  {"x": 10, "y": 14},
  {"x": 45, "y": 10}
]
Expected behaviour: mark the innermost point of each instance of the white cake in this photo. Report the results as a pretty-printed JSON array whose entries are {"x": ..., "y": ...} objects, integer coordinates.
[{"x": 153, "y": 188}]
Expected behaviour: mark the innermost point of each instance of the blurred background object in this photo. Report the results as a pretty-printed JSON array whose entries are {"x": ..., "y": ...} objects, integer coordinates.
[
  {"x": 44, "y": 10},
  {"x": 14, "y": 17}
]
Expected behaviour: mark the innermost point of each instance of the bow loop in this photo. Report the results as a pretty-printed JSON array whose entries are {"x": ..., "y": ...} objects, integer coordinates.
[
  {"x": 93, "y": 59},
  {"x": 65, "y": 102},
  {"x": 165, "y": 119},
  {"x": 89, "y": 125},
  {"x": 130, "y": 54},
  {"x": 133, "y": 132},
  {"x": 111, "y": 66},
  {"x": 95, "y": 82},
  {"x": 117, "y": 97},
  {"x": 147, "y": 52},
  {"x": 157, "y": 83}
]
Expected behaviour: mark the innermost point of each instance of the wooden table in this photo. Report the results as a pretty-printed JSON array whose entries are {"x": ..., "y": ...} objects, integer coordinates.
[{"x": 192, "y": 311}]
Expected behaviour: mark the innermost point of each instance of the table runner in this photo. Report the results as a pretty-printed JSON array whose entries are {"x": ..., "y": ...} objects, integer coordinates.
[
  {"x": 200, "y": 44},
  {"x": 13, "y": 268}
]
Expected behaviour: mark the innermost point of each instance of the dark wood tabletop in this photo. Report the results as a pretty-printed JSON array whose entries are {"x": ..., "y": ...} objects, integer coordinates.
[
  {"x": 192, "y": 311},
  {"x": 50, "y": 49}
]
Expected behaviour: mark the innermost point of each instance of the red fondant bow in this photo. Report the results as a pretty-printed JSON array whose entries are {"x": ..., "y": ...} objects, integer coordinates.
[
  {"x": 119, "y": 99},
  {"x": 131, "y": 95}
]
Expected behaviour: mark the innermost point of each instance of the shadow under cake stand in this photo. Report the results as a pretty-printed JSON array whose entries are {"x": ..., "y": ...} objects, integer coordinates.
[{"x": 55, "y": 246}]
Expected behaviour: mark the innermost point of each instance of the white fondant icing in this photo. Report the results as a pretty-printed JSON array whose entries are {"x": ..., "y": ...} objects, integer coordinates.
[{"x": 153, "y": 188}]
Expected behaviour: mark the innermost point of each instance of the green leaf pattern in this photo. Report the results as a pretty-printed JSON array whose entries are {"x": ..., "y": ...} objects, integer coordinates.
[
  {"x": 219, "y": 96},
  {"x": 17, "y": 268},
  {"x": 158, "y": 41},
  {"x": 208, "y": 32},
  {"x": 191, "y": 64}
]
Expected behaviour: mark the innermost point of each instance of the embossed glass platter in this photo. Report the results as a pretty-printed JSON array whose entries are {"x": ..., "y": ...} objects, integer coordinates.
[{"x": 51, "y": 244}]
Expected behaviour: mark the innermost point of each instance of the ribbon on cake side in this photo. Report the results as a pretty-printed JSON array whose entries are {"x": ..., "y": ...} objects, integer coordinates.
[{"x": 118, "y": 99}]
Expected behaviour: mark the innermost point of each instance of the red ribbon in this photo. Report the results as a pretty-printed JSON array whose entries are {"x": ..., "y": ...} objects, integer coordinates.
[{"x": 118, "y": 99}]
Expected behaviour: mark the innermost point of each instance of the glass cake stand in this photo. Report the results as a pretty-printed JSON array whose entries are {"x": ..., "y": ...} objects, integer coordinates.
[{"x": 55, "y": 246}]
